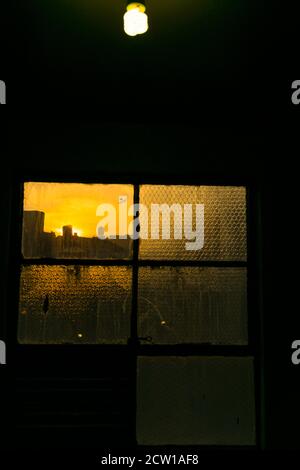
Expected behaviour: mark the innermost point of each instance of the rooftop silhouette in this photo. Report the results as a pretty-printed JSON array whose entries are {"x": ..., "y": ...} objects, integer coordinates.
[{"x": 36, "y": 243}]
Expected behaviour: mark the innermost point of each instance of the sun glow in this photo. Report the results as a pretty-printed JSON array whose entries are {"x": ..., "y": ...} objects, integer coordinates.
[
  {"x": 78, "y": 231},
  {"x": 72, "y": 204}
]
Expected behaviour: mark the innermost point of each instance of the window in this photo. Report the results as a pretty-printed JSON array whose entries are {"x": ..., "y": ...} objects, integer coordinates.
[
  {"x": 69, "y": 301},
  {"x": 182, "y": 308}
]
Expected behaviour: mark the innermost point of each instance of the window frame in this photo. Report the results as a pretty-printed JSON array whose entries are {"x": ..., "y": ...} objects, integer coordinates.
[{"x": 134, "y": 347}]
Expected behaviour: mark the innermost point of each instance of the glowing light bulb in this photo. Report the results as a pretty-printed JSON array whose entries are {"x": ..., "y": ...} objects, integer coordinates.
[{"x": 135, "y": 19}]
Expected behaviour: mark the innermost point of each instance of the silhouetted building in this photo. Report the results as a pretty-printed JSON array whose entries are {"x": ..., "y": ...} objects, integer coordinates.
[
  {"x": 33, "y": 229},
  {"x": 40, "y": 244},
  {"x": 48, "y": 245}
]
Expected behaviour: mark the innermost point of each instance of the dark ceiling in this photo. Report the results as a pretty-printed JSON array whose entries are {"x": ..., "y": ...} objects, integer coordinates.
[
  {"x": 76, "y": 50},
  {"x": 186, "y": 38}
]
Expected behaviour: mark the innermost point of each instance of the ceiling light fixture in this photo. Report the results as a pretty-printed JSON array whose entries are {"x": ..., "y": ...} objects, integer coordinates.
[{"x": 135, "y": 18}]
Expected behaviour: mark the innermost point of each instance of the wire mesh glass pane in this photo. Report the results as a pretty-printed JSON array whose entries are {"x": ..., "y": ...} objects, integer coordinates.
[
  {"x": 193, "y": 305},
  {"x": 195, "y": 400},
  {"x": 224, "y": 217},
  {"x": 74, "y": 304},
  {"x": 62, "y": 220}
]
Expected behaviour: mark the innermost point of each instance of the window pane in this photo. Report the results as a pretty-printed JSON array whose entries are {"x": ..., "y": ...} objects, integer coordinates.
[
  {"x": 195, "y": 400},
  {"x": 224, "y": 222},
  {"x": 193, "y": 305},
  {"x": 74, "y": 304},
  {"x": 60, "y": 221}
]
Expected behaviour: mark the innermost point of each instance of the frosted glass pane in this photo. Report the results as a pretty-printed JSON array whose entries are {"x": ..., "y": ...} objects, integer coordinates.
[
  {"x": 74, "y": 304},
  {"x": 224, "y": 222},
  {"x": 195, "y": 400},
  {"x": 60, "y": 221},
  {"x": 193, "y": 305}
]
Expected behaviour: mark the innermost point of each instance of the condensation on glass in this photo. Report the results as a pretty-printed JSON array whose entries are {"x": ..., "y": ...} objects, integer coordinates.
[
  {"x": 60, "y": 221},
  {"x": 74, "y": 304},
  {"x": 195, "y": 401},
  {"x": 224, "y": 222},
  {"x": 193, "y": 305}
]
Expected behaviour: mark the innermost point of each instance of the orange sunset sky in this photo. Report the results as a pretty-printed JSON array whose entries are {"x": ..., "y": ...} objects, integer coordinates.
[{"x": 73, "y": 203}]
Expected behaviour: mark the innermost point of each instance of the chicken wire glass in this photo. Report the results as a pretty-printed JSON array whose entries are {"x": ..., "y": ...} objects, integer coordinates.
[
  {"x": 195, "y": 401},
  {"x": 193, "y": 305},
  {"x": 74, "y": 304},
  {"x": 224, "y": 222}
]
